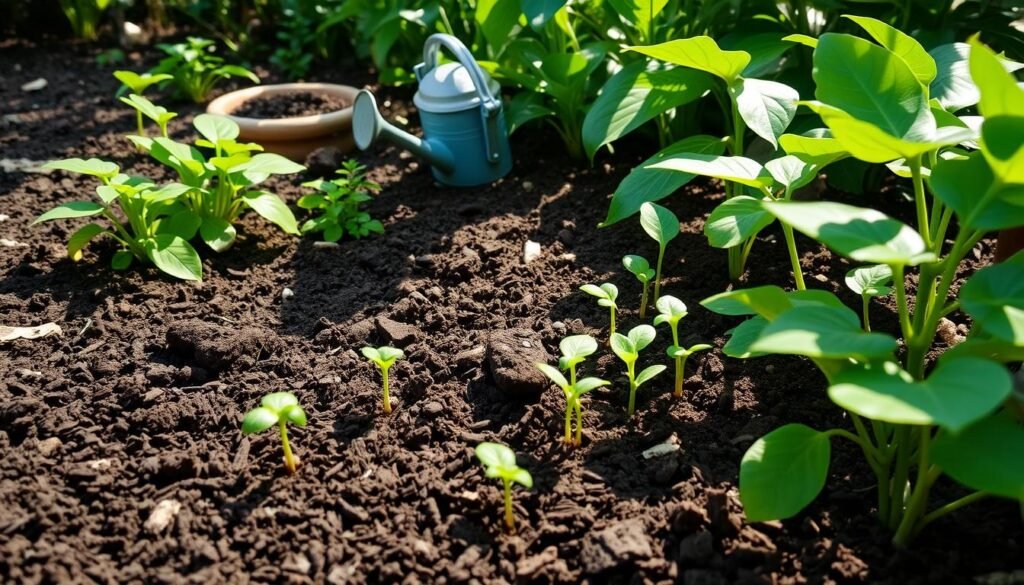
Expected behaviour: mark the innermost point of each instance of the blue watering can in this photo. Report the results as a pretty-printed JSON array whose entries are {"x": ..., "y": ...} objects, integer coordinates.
[{"x": 465, "y": 138}]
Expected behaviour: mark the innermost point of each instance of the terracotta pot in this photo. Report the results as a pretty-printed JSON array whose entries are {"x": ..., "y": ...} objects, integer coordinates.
[{"x": 294, "y": 137}]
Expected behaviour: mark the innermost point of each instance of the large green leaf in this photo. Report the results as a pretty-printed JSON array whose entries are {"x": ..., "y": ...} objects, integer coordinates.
[
  {"x": 743, "y": 336},
  {"x": 735, "y": 220},
  {"x": 737, "y": 169},
  {"x": 767, "y": 107},
  {"x": 1001, "y": 95},
  {"x": 496, "y": 19},
  {"x": 823, "y": 332},
  {"x": 271, "y": 207},
  {"x": 994, "y": 298},
  {"x": 791, "y": 171},
  {"x": 645, "y": 183},
  {"x": 216, "y": 128},
  {"x": 1002, "y": 143},
  {"x": 81, "y": 238},
  {"x": 872, "y": 85},
  {"x": 175, "y": 256},
  {"x": 634, "y": 96},
  {"x": 783, "y": 471},
  {"x": 267, "y": 163},
  {"x": 955, "y": 395},
  {"x": 539, "y": 12},
  {"x": 218, "y": 233},
  {"x": 860, "y": 233},
  {"x": 968, "y": 187},
  {"x": 660, "y": 224},
  {"x": 815, "y": 146},
  {"x": 71, "y": 210},
  {"x": 953, "y": 86},
  {"x": 986, "y": 456},
  {"x": 903, "y": 45},
  {"x": 701, "y": 53},
  {"x": 639, "y": 13},
  {"x": 92, "y": 166},
  {"x": 768, "y": 301}
]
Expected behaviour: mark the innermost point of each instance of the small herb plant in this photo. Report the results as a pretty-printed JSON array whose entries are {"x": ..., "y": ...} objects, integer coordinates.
[
  {"x": 575, "y": 349},
  {"x": 277, "y": 408},
  {"x": 138, "y": 215},
  {"x": 500, "y": 462},
  {"x": 338, "y": 202},
  {"x": 628, "y": 348},
  {"x": 223, "y": 184},
  {"x": 671, "y": 310},
  {"x": 869, "y": 282},
  {"x": 84, "y": 16},
  {"x": 143, "y": 107},
  {"x": 194, "y": 68},
  {"x": 384, "y": 357},
  {"x": 136, "y": 85},
  {"x": 641, "y": 269},
  {"x": 606, "y": 295},
  {"x": 662, "y": 226}
]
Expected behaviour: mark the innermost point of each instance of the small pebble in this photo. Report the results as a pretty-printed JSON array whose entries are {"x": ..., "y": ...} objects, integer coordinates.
[
  {"x": 161, "y": 516},
  {"x": 34, "y": 85},
  {"x": 531, "y": 251},
  {"x": 287, "y": 293}
]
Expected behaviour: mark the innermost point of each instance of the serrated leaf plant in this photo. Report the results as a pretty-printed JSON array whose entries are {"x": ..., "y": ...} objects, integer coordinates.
[
  {"x": 641, "y": 269},
  {"x": 574, "y": 391},
  {"x": 915, "y": 421},
  {"x": 384, "y": 357},
  {"x": 671, "y": 311},
  {"x": 136, "y": 213},
  {"x": 628, "y": 348},
  {"x": 194, "y": 68},
  {"x": 606, "y": 295},
  {"x": 277, "y": 409},
  {"x": 662, "y": 226},
  {"x": 337, "y": 203},
  {"x": 500, "y": 462},
  {"x": 222, "y": 183}
]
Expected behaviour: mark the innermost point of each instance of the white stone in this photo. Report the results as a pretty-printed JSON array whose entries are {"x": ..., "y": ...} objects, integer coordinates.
[
  {"x": 531, "y": 251},
  {"x": 161, "y": 516}
]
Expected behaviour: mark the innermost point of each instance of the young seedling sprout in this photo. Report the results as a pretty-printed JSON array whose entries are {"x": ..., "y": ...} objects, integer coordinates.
[
  {"x": 277, "y": 408},
  {"x": 384, "y": 357},
  {"x": 573, "y": 399},
  {"x": 500, "y": 461},
  {"x": 641, "y": 269},
  {"x": 628, "y": 348},
  {"x": 663, "y": 226},
  {"x": 137, "y": 84},
  {"x": 606, "y": 295},
  {"x": 869, "y": 282},
  {"x": 671, "y": 310}
]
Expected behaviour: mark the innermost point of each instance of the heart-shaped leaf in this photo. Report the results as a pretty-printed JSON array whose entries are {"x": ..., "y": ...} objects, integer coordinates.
[
  {"x": 701, "y": 53},
  {"x": 767, "y": 107},
  {"x": 272, "y": 208},
  {"x": 872, "y": 281},
  {"x": 985, "y": 456},
  {"x": 660, "y": 224},
  {"x": 783, "y": 471},
  {"x": 969, "y": 188},
  {"x": 737, "y": 169},
  {"x": 81, "y": 238},
  {"x": 903, "y": 45},
  {"x": 823, "y": 332},
  {"x": 175, "y": 256},
  {"x": 736, "y": 220},
  {"x": 994, "y": 298}
]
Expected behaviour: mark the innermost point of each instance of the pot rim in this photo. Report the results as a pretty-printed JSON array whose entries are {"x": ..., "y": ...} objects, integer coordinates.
[{"x": 294, "y": 128}]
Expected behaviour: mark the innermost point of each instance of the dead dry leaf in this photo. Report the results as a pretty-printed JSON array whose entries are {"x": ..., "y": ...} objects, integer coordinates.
[{"x": 12, "y": 333}]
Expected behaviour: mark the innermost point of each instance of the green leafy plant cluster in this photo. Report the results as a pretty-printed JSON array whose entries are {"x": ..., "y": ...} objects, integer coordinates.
[
  {"x": 575, "y": 349},
  {"x": 338, "y": 202},
  {"x": 84, "y": 16},
  {"x": 892, "y": 102},
  {"x": 195, "y": 70}
]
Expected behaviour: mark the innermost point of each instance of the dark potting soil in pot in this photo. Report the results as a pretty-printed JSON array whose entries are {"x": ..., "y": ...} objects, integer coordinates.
[
  {"x": 290, "y": 105},
  {"x": 136, "y": 408}
]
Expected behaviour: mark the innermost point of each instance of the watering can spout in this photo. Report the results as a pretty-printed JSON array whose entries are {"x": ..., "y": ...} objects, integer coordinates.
[{"x": 368, "y": 126}]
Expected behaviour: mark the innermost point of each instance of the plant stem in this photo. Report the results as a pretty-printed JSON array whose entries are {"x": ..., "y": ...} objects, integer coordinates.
[
  {"x": 510, "y": 521},
  {"x": 387, "y": 396},
  {"x": 657, "y": 274},
  {"x": 138, "y": 120},
  {"x": 866, "y": 308},
  {"x": 289, "y": 459},
  {"x": 919, "y": 498},
  {"x": 611, "y": 329},
  {"x": 579, "y": 423},
  {"x": 643, "y": 301},
  {"x": 920, "y": 201},
  {"x": 568, "y": 421},
  {"x": 901, "y": 301},
  {"x": 794, "y": 258},
  {"x": 951, "y": 507},
  {"x": 632, "y": 388},
  {"x": 899, "y": 483},
  {"x": 680, "y": 366}
]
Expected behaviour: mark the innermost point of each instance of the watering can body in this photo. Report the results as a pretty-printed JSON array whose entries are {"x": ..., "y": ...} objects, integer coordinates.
[{"x": 465, "y": 137}]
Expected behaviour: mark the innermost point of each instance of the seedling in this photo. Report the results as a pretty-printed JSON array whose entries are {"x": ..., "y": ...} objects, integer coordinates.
[
  {"x": 500, "y": 461},
  {"x": 195, "y": 69},
  {"x": 137, "y": 85},
  {"x": 663, "y": 226},
  {"x": 338, "y": 202},
  {"x": 277, "y": 408},
  {"x": 869, "y": 282},
  {"x": 384, "y": 357},
  {"x": 575, "y": 349},
  {"x": 628, "y": 348},
  {"x": 641, "y": 269},
  {"x": 573, "y": 394},
  {"x": 671, "y": 310},
  {"x": 606, "y": 295},
  {"x": 143, "y": 107}
]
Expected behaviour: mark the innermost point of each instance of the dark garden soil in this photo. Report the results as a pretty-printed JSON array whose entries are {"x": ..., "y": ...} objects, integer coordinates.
[
  {"x": 121, "y": 459},
  {"x": 304, "y": 103}
]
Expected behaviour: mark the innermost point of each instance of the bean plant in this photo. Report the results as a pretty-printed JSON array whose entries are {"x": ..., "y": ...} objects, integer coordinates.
[
  {"x": 869, "y": 282},
  {"x": 384, "y": 357},
  {"x": 500, "y": 462},
  {"x": 221, "y": 184},
  {"x": 338, "y": 202},
  {"x": 628, "y": 348},
  {"x": 137, "y": 215},
  {"x": 277, "y": 408},
  {"x": 641, "y": 269},
  {"x": 662, "y": 226},
  {"x": 136, "y": 85},
  {"x": 891, "y": 102},
  {"x": 606, "y": 295},
  {"x": 195, "y": 70},
  {"x": 671, "y": 311},
  {"x": 575, "y": 349}
]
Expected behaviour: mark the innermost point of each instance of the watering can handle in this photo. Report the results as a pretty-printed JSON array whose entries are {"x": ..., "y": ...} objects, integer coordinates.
[{"x": 490, "y": 107}]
